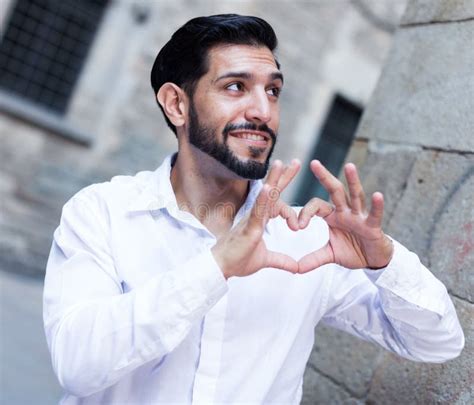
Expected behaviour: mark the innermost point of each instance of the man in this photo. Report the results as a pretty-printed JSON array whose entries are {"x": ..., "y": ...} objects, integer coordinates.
[{"x": 167, "y": 287}]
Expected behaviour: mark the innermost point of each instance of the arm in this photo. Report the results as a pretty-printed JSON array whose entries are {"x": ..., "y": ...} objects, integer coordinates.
[
  {"x": 402, "y": 307},
  {"x": 397, "y": 303},
  {"x": 95, "y": 332}
]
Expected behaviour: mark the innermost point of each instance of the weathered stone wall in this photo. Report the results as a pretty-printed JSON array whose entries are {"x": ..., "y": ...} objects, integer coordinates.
[{"x": 415, "y": 143}]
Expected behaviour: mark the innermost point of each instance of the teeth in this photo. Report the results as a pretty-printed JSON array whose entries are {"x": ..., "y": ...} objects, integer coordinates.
[{"x": 252, "y": 137}]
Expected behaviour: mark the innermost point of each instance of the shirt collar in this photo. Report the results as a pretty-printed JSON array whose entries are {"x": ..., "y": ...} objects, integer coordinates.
[{"x": 157, "y": 192}]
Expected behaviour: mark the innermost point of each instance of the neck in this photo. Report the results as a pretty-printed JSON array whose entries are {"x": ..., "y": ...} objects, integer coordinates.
[{"x": 207, "y": 189}]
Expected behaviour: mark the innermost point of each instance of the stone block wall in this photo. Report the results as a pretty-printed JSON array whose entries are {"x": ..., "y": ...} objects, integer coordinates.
[{"x": 415, "y": 144}]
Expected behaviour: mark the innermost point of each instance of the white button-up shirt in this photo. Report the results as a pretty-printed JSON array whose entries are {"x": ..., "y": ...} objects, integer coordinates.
[{"x": 137, "y": 311}]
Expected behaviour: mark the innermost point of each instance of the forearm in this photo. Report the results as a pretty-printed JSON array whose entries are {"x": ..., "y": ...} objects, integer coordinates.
[
  {"x": 97, "y": 341},
  {"x": 419, "y": 308},
  {"x": 405, "y": 309}
]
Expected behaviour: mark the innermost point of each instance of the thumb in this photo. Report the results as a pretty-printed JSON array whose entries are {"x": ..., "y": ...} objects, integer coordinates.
[
  {"x": 281, "y": 261},
  {"x": 316, "y": 259}
]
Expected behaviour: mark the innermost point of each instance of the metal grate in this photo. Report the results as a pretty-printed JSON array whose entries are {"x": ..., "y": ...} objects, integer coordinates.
[
  {"x": 44, "y": 47},
  {"x": 331, "y": 149}
]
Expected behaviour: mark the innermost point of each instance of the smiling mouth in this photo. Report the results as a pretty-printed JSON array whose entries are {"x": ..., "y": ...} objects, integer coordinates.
[{"x": 257, "y": 138}]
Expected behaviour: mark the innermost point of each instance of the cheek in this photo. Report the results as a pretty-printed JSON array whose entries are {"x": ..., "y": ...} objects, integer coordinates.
[
  {"x": 275, "y": 122},
  {"x": 217, "y": 110},
  {"x": 222, "y": 115}
]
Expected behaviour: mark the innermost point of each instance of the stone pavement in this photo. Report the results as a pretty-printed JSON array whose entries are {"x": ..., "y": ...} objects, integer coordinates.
[{"x": 26, "y": 374}]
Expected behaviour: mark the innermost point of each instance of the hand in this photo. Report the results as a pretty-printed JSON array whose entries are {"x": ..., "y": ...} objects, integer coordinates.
[
  {"x": 242, "y": 251},
  {"x": 356, "y": 239}
]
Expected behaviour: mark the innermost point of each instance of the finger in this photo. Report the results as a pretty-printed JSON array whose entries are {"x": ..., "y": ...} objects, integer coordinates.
[
  {"x": 356, "y": 192},
  {"x": 260, "y": 210},
  {"x": 272, "y": 180},
  {"x": 289, "y": 173},
  {"x": 374, "y": 220},
  {"x": 280, "y": 208},
  {"x": 282, "y": 262},
  {"x": 275, "y": 173},
  {"x": 313, "y": 207},
  {"x": 269, "y": 194},
  {"x": 316, "y": 259},
  {"x": 333, "y": 186},
  {"x": 285, "y": 211}
]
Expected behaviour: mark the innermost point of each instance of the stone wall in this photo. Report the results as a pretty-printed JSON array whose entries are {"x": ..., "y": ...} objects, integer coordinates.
[{"x": 415, "y": 143}]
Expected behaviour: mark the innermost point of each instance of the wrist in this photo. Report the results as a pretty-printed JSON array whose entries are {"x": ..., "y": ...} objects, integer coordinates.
[
  {"x": 219, "y": 258},
  {"x": 388, "y": 250}
]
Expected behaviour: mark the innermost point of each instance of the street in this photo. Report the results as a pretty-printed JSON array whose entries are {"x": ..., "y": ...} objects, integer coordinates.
[{"x": 26, "y": 372}]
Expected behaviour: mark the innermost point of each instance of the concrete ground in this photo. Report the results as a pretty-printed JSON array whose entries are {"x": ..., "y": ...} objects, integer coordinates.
[{"x": 26, "y": 374}]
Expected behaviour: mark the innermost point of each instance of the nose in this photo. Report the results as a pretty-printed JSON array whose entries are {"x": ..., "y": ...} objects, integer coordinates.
[{"x": 258, "y": 109}]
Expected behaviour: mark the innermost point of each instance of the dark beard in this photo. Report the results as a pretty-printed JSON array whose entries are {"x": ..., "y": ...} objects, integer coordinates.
[{"x": 205, "y": 139}]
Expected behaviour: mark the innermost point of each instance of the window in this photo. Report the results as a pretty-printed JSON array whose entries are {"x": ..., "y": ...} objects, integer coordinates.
[
  {"x": 332, "y": 146},
  {"x": 44, "y": 47}
]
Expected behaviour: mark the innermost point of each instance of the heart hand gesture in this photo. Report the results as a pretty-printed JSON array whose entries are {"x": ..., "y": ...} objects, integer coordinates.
[
  {"x": 356, "y": 239},
  {"x": 242, "y": 251}
]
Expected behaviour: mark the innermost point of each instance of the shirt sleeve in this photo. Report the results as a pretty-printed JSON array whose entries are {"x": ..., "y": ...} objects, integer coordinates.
[
  {"x": 95, "y": 332},
  {"x": 402, "y": 307}
]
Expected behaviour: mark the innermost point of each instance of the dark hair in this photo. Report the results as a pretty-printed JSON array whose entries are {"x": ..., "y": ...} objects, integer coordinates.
[{"x": 183, "y": 60}]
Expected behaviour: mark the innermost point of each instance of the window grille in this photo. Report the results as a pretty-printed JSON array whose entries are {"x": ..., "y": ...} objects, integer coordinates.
[
  {"x": 331, "y": 149},
  {"x": 44, "y": 47}
]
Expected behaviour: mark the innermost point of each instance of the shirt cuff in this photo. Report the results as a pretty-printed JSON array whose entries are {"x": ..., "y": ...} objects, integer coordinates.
[
  {"x": 189, "y": 294},
  {"x": 205, "y": 276},
  {"x": 374, "y": 275},
  {"x": 211, "y": 278},
  {"x": 407, "y": 278}
]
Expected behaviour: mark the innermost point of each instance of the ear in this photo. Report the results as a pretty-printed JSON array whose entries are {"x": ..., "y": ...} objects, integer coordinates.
[{"x": 173, "y": 100}]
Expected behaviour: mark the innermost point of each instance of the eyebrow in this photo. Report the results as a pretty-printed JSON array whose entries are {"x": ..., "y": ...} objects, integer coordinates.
[{"x": 248, "y": 76}]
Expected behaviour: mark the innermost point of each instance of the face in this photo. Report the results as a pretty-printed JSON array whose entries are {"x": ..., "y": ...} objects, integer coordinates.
[{"x": 234, "y": 112}]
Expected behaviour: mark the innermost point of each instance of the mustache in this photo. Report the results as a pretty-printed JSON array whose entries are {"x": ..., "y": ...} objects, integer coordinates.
[{"x": 249, "y": 126}]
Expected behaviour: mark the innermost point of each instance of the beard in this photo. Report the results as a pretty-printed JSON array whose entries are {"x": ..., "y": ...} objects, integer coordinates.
[{"x": 206, "y": 140}]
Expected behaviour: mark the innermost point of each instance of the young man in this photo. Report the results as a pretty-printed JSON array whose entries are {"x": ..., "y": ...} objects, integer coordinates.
[{"x": 167, "y": 287}]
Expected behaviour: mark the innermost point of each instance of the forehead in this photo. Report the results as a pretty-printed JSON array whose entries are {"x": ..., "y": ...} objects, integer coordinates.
[{"x": 241, "y": 58}]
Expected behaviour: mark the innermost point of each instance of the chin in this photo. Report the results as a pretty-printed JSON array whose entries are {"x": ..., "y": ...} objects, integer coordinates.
[{"x": 249, "y": 169}]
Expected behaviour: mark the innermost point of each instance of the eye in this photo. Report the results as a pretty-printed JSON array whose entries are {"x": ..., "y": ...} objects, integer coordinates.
[
  {"x": 274, "y": 91},
  {"x": 235, "y": 86}
]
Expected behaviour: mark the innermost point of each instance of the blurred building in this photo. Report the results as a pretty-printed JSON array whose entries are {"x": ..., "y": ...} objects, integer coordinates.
[{"x": 76, "y": 106}]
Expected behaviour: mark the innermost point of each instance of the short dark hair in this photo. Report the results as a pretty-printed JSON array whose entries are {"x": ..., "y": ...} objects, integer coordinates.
[{"x": 183, "y": 60}]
